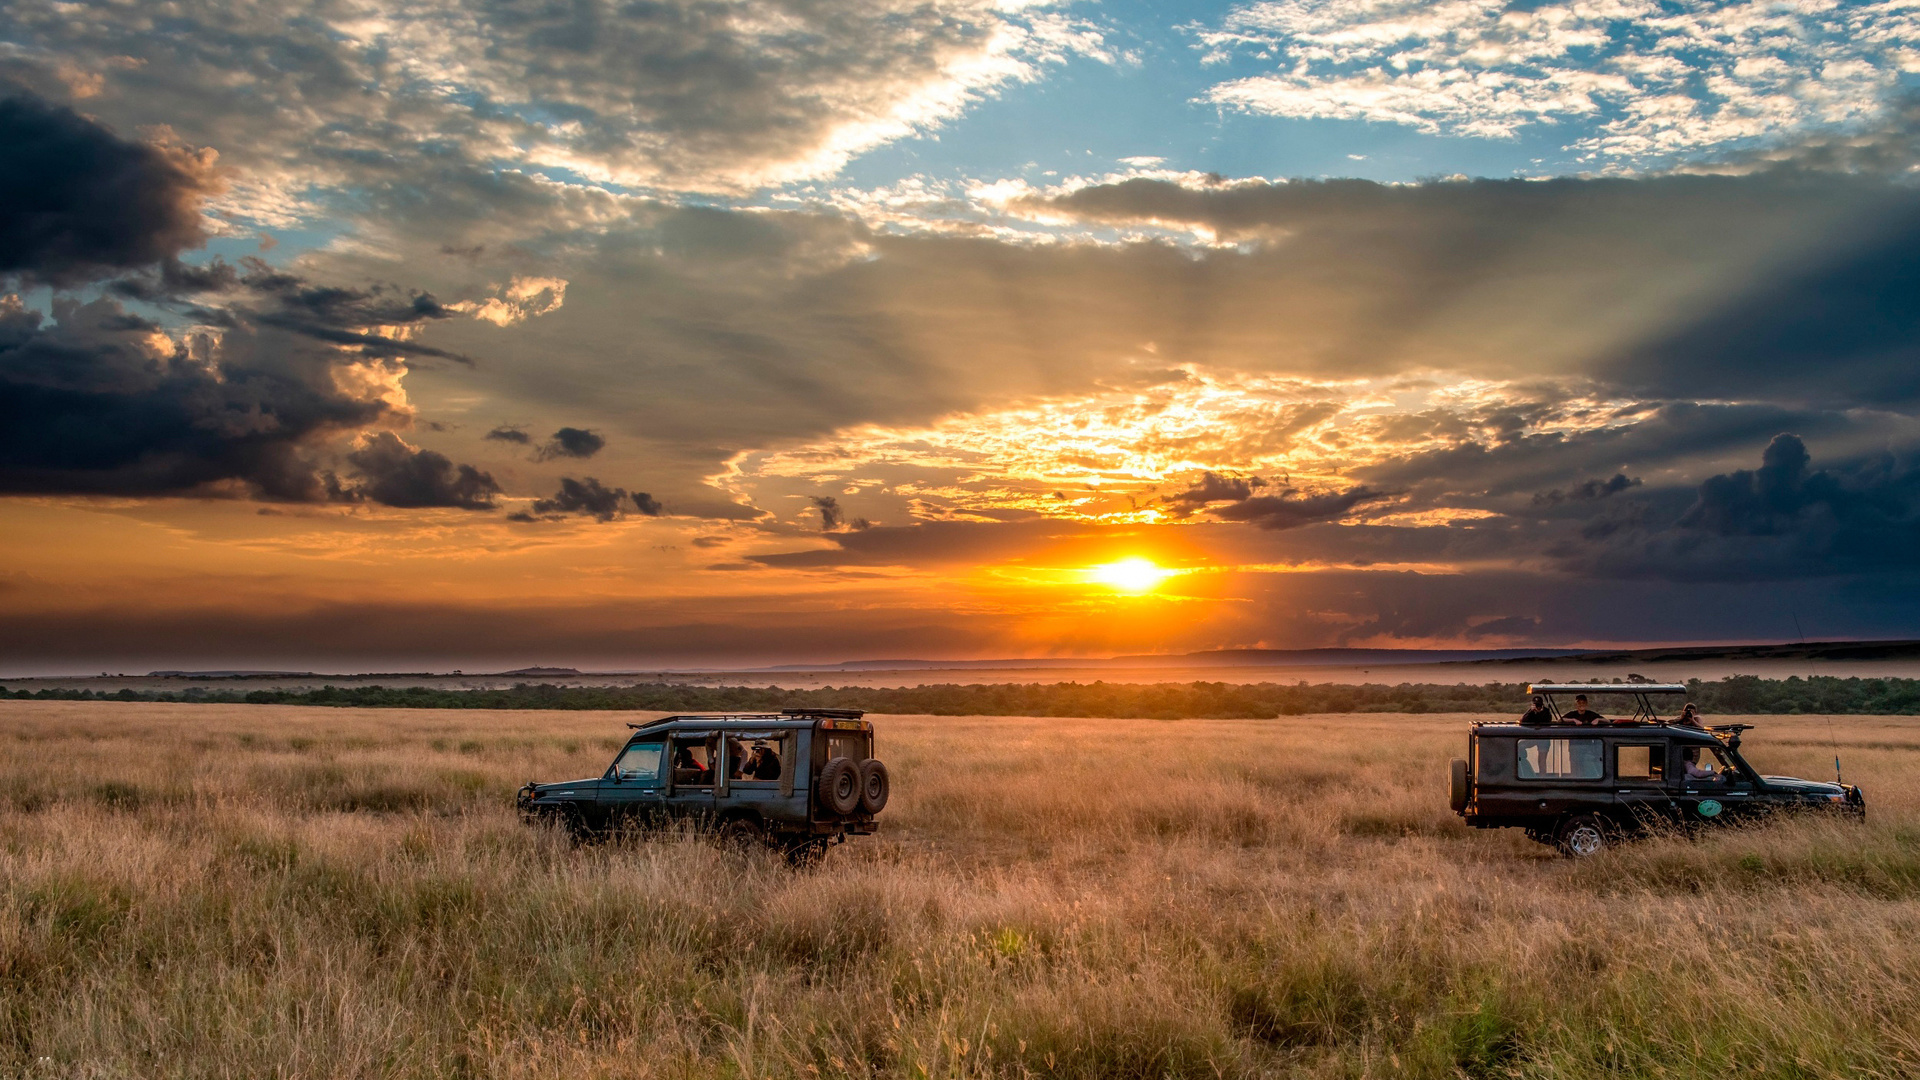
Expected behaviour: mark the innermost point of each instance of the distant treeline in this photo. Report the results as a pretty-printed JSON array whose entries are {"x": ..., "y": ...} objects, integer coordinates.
[{"x": 1169, "y": 701}]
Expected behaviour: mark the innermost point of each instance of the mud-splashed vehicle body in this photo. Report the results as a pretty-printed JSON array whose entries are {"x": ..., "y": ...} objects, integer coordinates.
[
  {"x": 1580, "y": 787},
  {"x": 799, "y": 780}
]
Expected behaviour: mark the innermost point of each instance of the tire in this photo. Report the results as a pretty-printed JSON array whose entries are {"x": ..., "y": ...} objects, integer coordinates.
[
  {"x": 1457, "y": 793},
  {"x": 739, "y": 834},
  {"x": 873, "y": 786},
  {"x": 806, "y": 854},
  {"x": 1582, "y": 837},
  {"x": 838, "y": 790}
]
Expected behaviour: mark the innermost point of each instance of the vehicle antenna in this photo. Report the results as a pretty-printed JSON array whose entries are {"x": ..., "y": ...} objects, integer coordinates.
[{"x": 1831, "y": 737}]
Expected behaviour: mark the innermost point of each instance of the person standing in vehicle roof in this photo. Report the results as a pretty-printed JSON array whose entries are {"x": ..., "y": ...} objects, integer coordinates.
[
  {"x": 1539, "y": 715},
  {"x": 1582, "y": 715},
  {"x": 1690, "y": 717}
]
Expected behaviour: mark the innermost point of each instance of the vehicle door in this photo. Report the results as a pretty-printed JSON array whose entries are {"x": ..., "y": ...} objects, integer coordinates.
[
  {"x": 1641, "y": 788},
  {"x": 1557, "y": 774},
  {"x": 634, "y": 788},
  {"x": 1711, "y": 787},
  {"x": 693, "y": 757}
]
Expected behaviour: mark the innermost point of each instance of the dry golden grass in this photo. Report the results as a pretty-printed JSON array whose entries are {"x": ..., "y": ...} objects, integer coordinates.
[{"x": 250, "y": 891}]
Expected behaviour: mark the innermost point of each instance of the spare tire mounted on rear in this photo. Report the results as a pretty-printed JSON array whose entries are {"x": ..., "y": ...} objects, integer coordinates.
[
  {"x": 873, "y": 786},
  {"x": 838, "y": 791}
]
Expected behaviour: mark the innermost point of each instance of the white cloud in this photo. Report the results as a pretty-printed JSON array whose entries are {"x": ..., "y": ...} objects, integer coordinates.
[
  {"x": 305, "y": 101},
  {"x": 1633, "y": 79}
]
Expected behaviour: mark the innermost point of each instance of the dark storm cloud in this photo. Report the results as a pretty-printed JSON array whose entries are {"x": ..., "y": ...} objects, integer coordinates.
[
  {"x": 78, "y": 201},
  {"x": 509, "y": 435},
  {"x": 88, "y": 406},
  {"x": 1782, "y": 520},
  {"x": 648, "y": 505},
  {"x": 570, "y": 442},
  {"x": 98, "y": 402},
  {"x": 394, "y": 473}
]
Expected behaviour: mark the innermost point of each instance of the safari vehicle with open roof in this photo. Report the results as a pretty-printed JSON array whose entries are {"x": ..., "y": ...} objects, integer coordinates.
[
  {"x": 1580, "y": 786},
  {"x": 798, "y": 780}
]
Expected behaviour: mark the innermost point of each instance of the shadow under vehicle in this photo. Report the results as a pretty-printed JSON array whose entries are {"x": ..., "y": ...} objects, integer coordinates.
[
  {"x": 797, "y": 780},
  {"x": 1580, "y": 788}
]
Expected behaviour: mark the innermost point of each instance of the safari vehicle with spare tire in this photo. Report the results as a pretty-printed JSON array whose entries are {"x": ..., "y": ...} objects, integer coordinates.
[
  {"x": 798, "y": 780},
  {"x": 1582, "y": 786}
]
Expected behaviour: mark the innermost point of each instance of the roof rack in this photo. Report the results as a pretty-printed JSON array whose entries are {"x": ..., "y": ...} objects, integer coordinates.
[{"x": 783, "y": 714}]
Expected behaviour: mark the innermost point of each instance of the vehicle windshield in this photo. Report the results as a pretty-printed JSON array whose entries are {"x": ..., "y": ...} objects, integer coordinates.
[{"x": 640, "y": 761}]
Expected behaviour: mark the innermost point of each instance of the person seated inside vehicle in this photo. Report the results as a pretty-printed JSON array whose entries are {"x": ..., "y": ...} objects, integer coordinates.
[
  {"x": 736, "y": 759},
  {"x": 687, "y": 768},
  {"x": 764, "y": 764},
  {"x": 1580, "y": 714},
  {"x": 1539, "y": 715},
  {"x": 1690, "y": 717},
  {"x": 1694, "y": 769}
]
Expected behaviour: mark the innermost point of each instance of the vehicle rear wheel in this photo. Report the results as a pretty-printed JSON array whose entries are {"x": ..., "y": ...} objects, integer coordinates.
[
  {"x": 873, "y": 786},
  {"x": 839, "y": 789},
  {"x": 1582, "y": 837},
  {"x": 739, "y": 834},
  {"x": 807, "y": 853},
  {"x": 1457, "y": 777}
]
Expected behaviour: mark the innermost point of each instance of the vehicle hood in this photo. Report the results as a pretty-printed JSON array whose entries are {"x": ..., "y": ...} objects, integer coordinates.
[
  {"x": 1803, "y": 787},
  {"x": 567, "y": 787}
]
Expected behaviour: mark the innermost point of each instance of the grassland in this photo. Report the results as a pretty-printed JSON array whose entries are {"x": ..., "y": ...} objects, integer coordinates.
[{"x": 255, "y": 891}]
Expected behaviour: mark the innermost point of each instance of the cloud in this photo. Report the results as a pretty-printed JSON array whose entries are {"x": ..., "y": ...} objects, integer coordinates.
[
  {"x": 99, "y": 401},
  {"x": 589, "y": 498},
  {"x": 678, "y": 95},
  {"x": 831, "y": 515},
  {"x": 1629, "y": 79},
  {"x": 1212, "y": 487},
  {"x": 392, "y": 472},
  {"x": 243, "y": 380},
  {"x": 570, "y": 442},
  {"x": 1290, "y": 511},
  {"x": 509, "y": 435},
  {"x": 1783, "y": 520},
  {"x": 78, "y": 201},
  {"x": 1587, "y": 491}
]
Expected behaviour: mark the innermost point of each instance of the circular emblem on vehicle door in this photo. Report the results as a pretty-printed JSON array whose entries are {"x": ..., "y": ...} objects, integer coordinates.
[{"x": 1709, "y": 807}]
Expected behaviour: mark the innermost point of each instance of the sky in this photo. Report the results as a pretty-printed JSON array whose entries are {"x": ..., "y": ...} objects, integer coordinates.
[{"x": 369, "y": 336}]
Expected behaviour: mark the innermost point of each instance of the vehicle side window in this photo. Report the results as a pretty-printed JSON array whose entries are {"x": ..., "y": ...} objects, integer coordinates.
[
  {"x": 639, "y": 762},
  {"x": 1634, "y": 762},
  {"x": 1560, "y": 759},
  {"x": 692, "y": 761}
]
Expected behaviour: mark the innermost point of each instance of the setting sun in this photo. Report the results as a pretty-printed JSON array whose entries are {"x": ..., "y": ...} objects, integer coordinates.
[{"x": 1130, "y": 575}]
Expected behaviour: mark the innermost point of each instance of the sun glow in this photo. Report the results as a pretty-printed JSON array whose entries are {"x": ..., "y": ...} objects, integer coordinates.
[{"x": 1135, "y": 575}]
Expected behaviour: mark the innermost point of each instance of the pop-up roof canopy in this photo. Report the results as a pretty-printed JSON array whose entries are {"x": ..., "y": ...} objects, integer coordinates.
[
  {"x": 1642, "y": 704},
  {"x": 1606, "y": 688}
]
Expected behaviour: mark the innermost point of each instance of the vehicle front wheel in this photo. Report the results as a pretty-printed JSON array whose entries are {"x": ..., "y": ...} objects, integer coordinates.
[{"x": 1582, "y": 837}]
